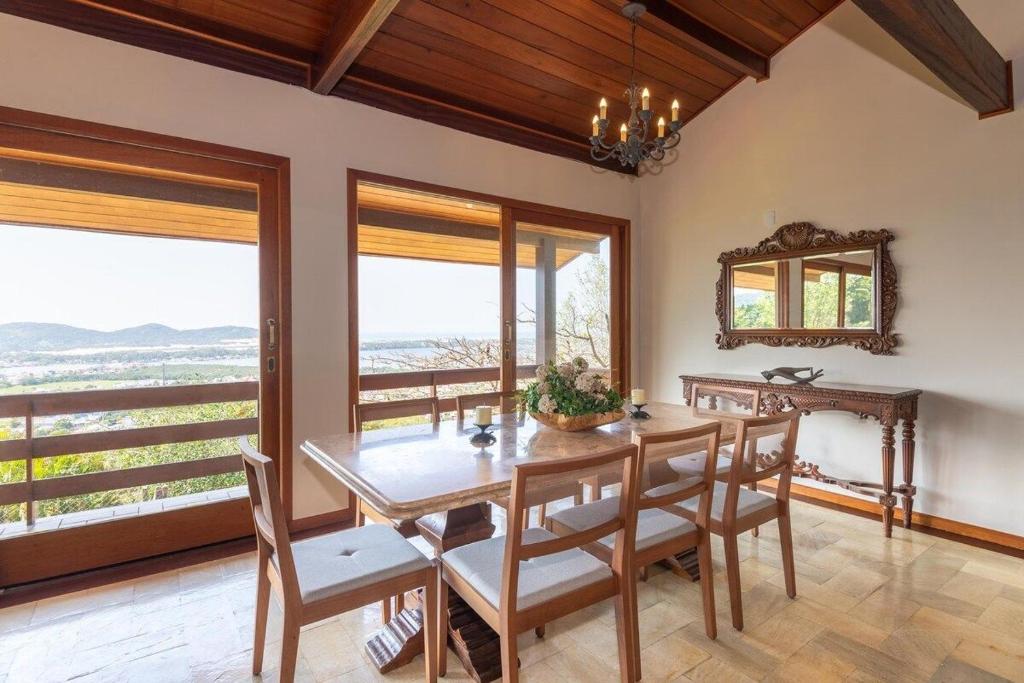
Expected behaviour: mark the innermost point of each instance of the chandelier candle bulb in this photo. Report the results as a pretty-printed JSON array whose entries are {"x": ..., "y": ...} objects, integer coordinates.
[
  {"x": 604, "y": 108},
  {"x": 483, "y": 415},
  {"x": 623, "y": 133},
  {"x": 675, "y": 110},
  {"x": 638, "y": 397},
  {"x": 596, "y": 127},
  {"x": 646, "y": 99},
  {"x": 661, "y": 126}
]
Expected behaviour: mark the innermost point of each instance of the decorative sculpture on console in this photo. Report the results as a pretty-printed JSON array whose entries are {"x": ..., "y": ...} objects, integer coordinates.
[{"x": 791, "y": 374}]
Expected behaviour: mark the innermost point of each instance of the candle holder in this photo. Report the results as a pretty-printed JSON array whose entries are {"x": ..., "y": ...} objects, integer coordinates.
[
  {"x": 638, "y": 412},
  {"x": 484, "y": 438}
]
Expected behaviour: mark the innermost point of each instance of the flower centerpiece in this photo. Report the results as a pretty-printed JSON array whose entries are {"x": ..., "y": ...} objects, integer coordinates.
[{"x": 571, "y": 397}]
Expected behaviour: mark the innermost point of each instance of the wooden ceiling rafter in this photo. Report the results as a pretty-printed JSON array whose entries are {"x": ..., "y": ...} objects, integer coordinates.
[
  {"x": 428, "y": 104},
  {"x": 666, "y": 18},
  {"x": 355, "y": 24},
  {"x": 947, "y": 43},
  {"x": 526, "y": 72}
]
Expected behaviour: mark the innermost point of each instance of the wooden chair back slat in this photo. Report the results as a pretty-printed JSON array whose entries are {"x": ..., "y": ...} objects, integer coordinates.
[
  {"x": 573, "y": 469},
  {"x": 386, "y": 410},
  {"x": 707, "y": 436},
  {"x": 267, "y": 511},
  {"x": 748, "y": 469},
  {"x": 747, "y": 400}
]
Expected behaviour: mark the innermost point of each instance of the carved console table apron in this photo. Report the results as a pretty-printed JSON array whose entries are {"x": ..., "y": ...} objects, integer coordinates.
[{"x": 888, "y": 405}]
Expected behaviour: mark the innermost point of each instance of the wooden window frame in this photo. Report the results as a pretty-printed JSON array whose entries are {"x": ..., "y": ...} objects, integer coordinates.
[
  {"x": 34, "y": 556},
  {"x": 619, "y": 229}
]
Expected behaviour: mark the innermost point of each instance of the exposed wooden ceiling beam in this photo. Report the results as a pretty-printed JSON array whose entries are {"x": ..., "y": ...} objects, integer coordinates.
[
  {"x": 355, "y": 24},
  {"x": 672, "y": 22},
  {"x": 401, "y": 96},
  {"x": 942, "y": 38}
]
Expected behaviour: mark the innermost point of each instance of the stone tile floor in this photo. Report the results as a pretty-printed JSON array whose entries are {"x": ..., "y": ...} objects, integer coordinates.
[{"x": 910, "y": 608}]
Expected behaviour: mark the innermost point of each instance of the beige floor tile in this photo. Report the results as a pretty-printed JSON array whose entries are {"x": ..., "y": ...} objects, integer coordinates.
[
  {"x": 1004, "y": 615},
  {"x": 671, "y": 657},
  {"x": 973, "y": 589},
  {"x": 955, "y": 671}
]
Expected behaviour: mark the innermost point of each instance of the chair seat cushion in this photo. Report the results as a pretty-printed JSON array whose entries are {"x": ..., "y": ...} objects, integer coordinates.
[
  {"x": 343, "y": 561},
  {"x": 749, "y": 502},
  {"x": 694, "y": 463},
  {"x": 653, "y": 526},
  {"x": 540, "y": 579}
]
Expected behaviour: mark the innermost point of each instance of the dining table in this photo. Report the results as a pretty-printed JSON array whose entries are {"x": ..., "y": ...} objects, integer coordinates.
[{"x": 434, "y": 475}]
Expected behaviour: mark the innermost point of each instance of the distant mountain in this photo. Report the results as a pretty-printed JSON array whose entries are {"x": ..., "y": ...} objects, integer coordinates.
[{"x": 53, "y": 337}]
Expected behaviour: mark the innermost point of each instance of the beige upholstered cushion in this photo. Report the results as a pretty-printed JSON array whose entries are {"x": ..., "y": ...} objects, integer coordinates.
[
  {"x": 694, "y": 463},
  {"x": 653, "y": 526},
  {"x": 540, "y": 579},
  {"x": 749, "y": 502},
  {"x": 336, "y": 563}
]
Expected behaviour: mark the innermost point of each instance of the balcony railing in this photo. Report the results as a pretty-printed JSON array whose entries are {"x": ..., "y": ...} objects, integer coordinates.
[
  {"x": 432, "y": 379},
  {"x": 31, "y": 406}
]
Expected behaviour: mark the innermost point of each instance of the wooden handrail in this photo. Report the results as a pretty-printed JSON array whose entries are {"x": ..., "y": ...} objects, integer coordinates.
[
  {"x": 30, "y": 406},
  {"x": 433, "y": 378}
]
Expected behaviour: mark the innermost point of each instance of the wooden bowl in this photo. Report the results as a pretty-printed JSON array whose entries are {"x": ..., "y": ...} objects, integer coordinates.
[{"x": 577, "y": 423}]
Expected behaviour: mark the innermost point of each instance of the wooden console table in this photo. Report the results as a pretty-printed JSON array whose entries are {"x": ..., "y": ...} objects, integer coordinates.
[{"x": 888, "y": 405}]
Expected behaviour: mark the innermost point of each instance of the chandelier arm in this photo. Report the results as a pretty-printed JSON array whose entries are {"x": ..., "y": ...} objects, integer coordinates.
[{"x": 597, "y": 155}]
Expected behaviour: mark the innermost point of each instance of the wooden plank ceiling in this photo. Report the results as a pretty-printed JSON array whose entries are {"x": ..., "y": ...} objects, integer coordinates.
[{"x": 529, "y": 72}]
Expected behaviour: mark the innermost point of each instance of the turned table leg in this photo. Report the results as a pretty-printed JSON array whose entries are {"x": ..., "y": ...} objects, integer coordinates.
[
  {"x": 888, "y": 500},
  {"x": 908, "y": 472}
]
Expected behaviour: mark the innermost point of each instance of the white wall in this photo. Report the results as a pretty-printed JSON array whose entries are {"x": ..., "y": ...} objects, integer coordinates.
[
  {"x": 55, "y": 71},
  {"x": 850, "y": 133}
]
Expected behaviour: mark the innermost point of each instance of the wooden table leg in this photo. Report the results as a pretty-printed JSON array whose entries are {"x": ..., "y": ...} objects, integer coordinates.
[
  {"x": 888, "y": 500},
  {"x": 475, "y": 643},
  {"x": 908, "y": 472}
]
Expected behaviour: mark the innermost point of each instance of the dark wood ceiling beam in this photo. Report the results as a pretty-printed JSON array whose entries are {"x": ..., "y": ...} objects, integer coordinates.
[
  {"x": 942, "y": 38},
  {"x": 355, "y": 24},
  {"x": 173, "y": 32},
  {"x": 400, "y": 96},
  {"x": 664, "y": 16}
]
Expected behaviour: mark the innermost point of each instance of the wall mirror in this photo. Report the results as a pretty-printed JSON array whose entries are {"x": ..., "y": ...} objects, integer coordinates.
[{"x": 807, "y": 286}]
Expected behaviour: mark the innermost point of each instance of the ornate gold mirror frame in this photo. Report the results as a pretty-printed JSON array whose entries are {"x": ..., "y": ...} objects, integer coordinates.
[{"x": 797, "y": 240}]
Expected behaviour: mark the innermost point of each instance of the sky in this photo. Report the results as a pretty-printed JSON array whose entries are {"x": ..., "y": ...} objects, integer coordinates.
[
  {"x": 108, "y": 282},
  {"x": 413, "y": 299}
]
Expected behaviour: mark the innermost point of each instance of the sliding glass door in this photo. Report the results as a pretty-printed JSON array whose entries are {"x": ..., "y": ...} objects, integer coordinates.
[{"x": 567, "y": 297}]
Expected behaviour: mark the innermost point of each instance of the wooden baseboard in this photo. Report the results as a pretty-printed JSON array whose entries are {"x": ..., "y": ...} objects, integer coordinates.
[{"x": 918, "y": 520}]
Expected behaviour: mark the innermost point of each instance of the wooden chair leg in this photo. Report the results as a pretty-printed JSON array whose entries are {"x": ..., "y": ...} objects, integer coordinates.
[
  {"x": 289, "y": 645},
  {"x": 732, "y": 569},
  {"x": 578, "y": 498},
  {"x": 360, "y": 515},
  {"x": 262, "y": 607},
  {"x": 542, "y": 514},
  {"x": 540, "y": 631},
  {"x": 707, "y": 585},
  {"x": 595, "y": 491},
  {"x": 442, "y": 625},
  {"x": 786, "y": 540},
  {"x": 509, "y": 655},
  {"x": 628, "y": 631},
  {"x": 399, "y": 602},
  {"x": 643, "y": 573},
  {"x": 385, "y": 611},
  {"x": 526, "y": 518},
  {"x": 431, "y": 633},
  {"x": 756, "y": 531}
]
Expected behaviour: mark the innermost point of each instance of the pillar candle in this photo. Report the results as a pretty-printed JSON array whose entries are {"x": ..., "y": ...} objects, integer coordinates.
[
  {"x": 638, "y": 397},
  {"x": 483, "y": 415}
]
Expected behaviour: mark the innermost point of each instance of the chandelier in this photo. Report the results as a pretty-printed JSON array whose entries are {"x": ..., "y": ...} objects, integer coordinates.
[{"x": 633, "y": 145}]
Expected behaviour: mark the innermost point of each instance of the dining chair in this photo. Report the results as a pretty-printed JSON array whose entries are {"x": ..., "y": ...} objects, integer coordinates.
[
  {"x": 532, "y": 576},
  {"x": 661, "y": 530},
  {"x": 326, "y": 575},
  {"x": 540, "y": 497},
  {"x": 736, "y": 509},
  {"x": 719, "y": 402},
  {"x": 386, "y": 410}
]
